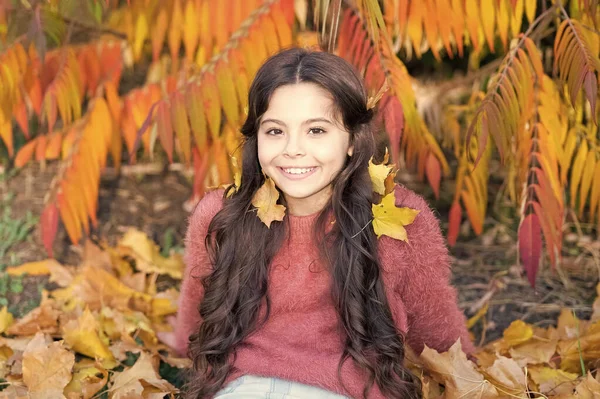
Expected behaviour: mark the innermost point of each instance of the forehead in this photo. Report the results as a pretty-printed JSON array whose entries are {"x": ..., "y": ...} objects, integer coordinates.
[{"x": 297, "y": 102}]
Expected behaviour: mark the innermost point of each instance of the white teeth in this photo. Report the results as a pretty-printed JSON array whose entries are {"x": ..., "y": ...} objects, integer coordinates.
[{"x": 298, "y": 171}]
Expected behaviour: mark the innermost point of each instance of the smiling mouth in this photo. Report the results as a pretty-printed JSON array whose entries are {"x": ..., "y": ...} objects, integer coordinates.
[{"x": 297, "y": 171}]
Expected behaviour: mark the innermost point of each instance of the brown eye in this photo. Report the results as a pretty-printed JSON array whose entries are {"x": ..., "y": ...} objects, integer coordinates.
[
  {"x": 274, "y": 132},
  {"x": 317, "y": 130}
]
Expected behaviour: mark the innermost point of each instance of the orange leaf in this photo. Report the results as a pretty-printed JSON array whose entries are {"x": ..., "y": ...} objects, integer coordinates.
[
  {"x": 181, "y": 125},
  {"x": 454, "y": 219},
  {"x": 195, "y": 110},
  {"x": 212, "y": 103},
  {"x": 25, "y": 154},
  {"x": 159, "y": 31},
  {"x": 227, "y": 92},
  {"x": 190, "y": 30},
  {"x": 434, "y": 173},
  {"x": 165, "y": 128}
]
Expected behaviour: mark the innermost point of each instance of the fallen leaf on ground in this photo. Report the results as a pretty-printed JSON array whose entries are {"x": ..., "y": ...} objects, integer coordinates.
[
  {"x": 147, "y": 255},
  {"x": 128, "y": 384},
  {"x": 87, "y": 381},
  {"x": 44, "y": 318},
  {"x": 508, "y": 376},
  {"x": 38, "y": 268},
  {"x": 517, "y": 333},
  {"x": 82, "y": 335},
  {"x": 390, "y": 220},
  {"x": 6, "y": 319},
  {"x": 553, "y": 381},
  {"x": 265, "y": 201},
  {"x": 46, "y": 367},
  {"x": 457, "y": 373}
]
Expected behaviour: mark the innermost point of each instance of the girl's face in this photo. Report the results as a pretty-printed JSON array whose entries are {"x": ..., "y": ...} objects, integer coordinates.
[{"x": 302, "y": 146}]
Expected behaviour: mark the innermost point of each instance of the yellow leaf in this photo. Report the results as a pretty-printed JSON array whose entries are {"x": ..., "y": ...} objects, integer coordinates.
[
  {"x": 589, "y": 388},
  {"x": 128, "y": 384},
  {"x": 147, "y": 255},
  {"x": 265, "y": 200},
  {"x": 141, "y": 31},
  {"x": 6, "y": 319},
  {"x": 46, "y": 367},
  {"x": 517, "y": 333},
  {"x": 87, "y": 381},
  {"x": 38, "y": 268},
  {"x": 379, "y": 174},
  {"x": 190, "y": 30},
  {"x": 390, "y": 220},
  {"x": 552, "y": 381},
  {"x": 82, "y": 336},
  {"x": 538, "y": 350}
]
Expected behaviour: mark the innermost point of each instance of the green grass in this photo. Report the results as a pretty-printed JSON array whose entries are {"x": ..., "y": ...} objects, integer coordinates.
[{"x": 12, "y": 231}]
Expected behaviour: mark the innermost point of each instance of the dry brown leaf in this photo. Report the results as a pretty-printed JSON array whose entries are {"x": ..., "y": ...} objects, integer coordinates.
[
  {"x": 568, "y": 325},
  {"x": 552, "y": 381},
  {"x": 508, "y": 376},
  {"x": 59, "y": 274},
  {"x": 596, "y": 305},
  {"x": 44, "y": 318},
  {"x": 15, "y": 391},
  {"x": 82, "y": 335},
  {"x": 129, "y": 382},
  {"x": 265, "y": 201},
  {"x": 96, "y": 257},
  {"x": 457, "y": 373},
  {"x": 589, "y": 388},
  {"x": 135, "y": 281},
  {"x": 46, "y": 367}
]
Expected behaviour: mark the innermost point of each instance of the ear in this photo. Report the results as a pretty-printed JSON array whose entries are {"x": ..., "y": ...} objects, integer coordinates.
[{"x": 350, "y": 151}]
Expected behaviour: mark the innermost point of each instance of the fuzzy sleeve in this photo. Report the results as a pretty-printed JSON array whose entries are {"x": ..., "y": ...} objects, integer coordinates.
[
  {"x": 197, "y": 265},
  {"x": 434, "y": 317}
]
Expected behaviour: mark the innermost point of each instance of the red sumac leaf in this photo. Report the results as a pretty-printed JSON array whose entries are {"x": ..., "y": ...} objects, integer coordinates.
[
  {"x": 48, "y": 226},
  {"x": 530, "y": 245}
]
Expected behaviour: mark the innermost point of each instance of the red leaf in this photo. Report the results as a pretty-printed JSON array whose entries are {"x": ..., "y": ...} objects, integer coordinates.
[
  {"x": 454, "y": 219},
  {"x": 48, "y": 226},
  {"x": 393, "y": 116},
  {"x": 433, "y": 171},
  {"x": 530, "y": 245}
]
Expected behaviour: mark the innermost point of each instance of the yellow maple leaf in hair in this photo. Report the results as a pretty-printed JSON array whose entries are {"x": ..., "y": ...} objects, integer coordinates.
[
  {"x": 390, "y": 220},
  {"x": 382, "y": 175},
  {"x": 265, "y": 200}
]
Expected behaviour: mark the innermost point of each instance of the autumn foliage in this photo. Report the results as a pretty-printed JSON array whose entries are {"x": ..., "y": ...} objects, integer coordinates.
[
  {"x": 535, "y": 111},
  {"x": 95, "y": 335}
]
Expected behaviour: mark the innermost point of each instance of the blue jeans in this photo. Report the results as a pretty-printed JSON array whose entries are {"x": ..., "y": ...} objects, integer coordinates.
[{"x": 255, "y": 387}]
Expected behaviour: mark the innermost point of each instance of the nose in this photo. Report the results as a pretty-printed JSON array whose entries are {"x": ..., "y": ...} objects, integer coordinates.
[{"x": 294, "y": 146}]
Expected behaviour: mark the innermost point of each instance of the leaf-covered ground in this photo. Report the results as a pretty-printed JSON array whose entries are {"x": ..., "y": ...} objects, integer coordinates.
[{"x": 90, "y": 316}]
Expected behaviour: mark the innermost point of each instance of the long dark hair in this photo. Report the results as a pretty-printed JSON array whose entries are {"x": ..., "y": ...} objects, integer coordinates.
[{"x": 241, "y": 247}]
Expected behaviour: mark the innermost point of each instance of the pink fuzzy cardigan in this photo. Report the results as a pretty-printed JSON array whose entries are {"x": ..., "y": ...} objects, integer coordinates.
[{"x": 302, "y": 341}]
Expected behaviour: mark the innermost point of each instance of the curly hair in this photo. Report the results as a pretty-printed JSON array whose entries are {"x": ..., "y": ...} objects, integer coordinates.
[{"x": 241, "y": 247}]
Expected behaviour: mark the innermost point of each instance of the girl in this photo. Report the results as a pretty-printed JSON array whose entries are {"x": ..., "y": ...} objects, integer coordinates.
[{"x": 315, "y": 305}]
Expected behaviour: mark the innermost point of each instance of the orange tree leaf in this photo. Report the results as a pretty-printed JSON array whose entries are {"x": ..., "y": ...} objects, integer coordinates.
[
  {"x": 265, "y": 201},
  {"x": 165, "y": 128},
  {"x": 227, "y": 91},
  {"x": 390, "y": 220},
  {"x": 190, "y": 30},
  {"x": 181, "y": 125},
  {"x": 434, "y": 174},
  {"x": 454, "y": 219},
  {"x": 159, "y": 32}
]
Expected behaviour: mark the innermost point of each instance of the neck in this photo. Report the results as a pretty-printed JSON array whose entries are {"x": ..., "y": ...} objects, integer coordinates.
[{"x": 309, "y": 205}]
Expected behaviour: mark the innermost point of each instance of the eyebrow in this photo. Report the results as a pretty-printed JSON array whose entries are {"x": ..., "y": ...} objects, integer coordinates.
[{"x": 306, "y": 122}]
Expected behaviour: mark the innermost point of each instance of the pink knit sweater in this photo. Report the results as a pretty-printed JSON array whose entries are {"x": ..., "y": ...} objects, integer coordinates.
[{"x": 301, "y": 340}]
